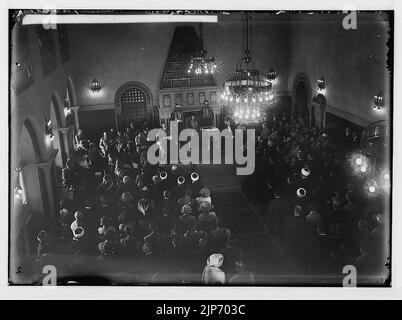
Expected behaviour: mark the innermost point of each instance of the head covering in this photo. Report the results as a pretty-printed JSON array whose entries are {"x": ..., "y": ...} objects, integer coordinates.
[
  {"x": 180, "y": 180},
  {"x": 79, "y": 233},
  {"x": 126, "y": 179},
  {"x": 301, "y": 192},
  {"x": 194, "y": 176},
  {"x": 204, "y": 193},
  {"x": 187, "y": 209},
  {"x": 305, "y": 172},
  {"x": 215, "y": 260}
]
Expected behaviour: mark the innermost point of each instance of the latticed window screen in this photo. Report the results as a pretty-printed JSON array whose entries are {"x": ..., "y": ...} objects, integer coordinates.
[{"x": 134, "y": 105}]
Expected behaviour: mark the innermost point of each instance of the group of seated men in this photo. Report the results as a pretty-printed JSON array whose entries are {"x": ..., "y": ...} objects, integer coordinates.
[
  {"x": 119, "y": 208},
  {"x": 321, "y": 211}
]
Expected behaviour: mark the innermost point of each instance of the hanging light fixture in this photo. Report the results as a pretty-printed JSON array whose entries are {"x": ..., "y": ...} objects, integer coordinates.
[
  {"x": 200, "y": 63},
  {"x": 378, "y": 101},
  {"x": 271, "y": 75},
  {"x": 247, "y": 89},
  {"x": 67, "y": 109},
  {"x": 321, "y": 84},
  {"x": 95, "y": 86},
  {"x": 49, "y": 129}
]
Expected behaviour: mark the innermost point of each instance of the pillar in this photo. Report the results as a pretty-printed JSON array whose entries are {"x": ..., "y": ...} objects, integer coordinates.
[
  {"x": 76, "y": 120},
  {"x": 67, "y": 143},
  {"x": 50, "y": 192}
]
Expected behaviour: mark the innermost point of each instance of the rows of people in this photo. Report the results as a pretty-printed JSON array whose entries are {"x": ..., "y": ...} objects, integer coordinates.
[
  {"x": 315, "y": 206},
  {"x": 122, "y": 214}
]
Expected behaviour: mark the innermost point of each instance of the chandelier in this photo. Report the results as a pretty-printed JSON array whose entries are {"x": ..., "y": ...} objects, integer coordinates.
[
  {"x": 247, "y": 90},
  {"x": 200, "y": 63}
]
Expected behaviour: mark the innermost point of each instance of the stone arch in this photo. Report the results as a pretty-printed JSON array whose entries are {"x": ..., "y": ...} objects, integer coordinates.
[
  {"x": 71, "y": 92},
  {"x": 58, "y": 106}
]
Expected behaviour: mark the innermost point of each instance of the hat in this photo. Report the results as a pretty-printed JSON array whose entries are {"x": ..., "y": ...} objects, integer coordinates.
[
  {"x": 180, "y": 180},
  {"x": 301, "y": 192},
  {"x": 186, "y": 209},
  {"x": 194, "y": 176},
  {"x": 305, "y": 172},
  {"x": 79, "y": 233},
  {"x": 163, "y": 175},
  {"x": 215, "y": 260},
  {"x": 204, "y": 193}
]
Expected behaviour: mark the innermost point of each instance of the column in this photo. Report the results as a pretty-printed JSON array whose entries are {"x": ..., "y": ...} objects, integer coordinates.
[
  {"x": 76, "y": 120},
  {"x": 66, "y": 144},
  {"x": 50, "y": 191}
]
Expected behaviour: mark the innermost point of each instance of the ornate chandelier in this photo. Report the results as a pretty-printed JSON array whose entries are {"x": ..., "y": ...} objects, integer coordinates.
[
  {"x": 200, "y": 63},
  {"x": 247, "y": 90}
]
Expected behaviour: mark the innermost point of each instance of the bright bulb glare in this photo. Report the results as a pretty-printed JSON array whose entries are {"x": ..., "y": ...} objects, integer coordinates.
[
  {"x": 372, "y": 189},
  {"x": 359, "y": 161},
  {"x": 363, "y": 169}
]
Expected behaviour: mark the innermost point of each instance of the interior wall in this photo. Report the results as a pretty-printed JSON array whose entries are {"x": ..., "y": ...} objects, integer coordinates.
[
  {"x": 116, "y": 54},
  {"x": 352, "y": 62},
  {"x": 34, "y": 102}
]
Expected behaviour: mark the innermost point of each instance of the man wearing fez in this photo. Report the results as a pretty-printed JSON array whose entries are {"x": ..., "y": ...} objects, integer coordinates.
[
  {"x": 177, "y": 115},
  {"x": 207, "y": 115}
]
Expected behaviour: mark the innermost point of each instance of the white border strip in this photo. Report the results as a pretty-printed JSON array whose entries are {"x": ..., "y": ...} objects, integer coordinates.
[{"x": 114, "y": 18}]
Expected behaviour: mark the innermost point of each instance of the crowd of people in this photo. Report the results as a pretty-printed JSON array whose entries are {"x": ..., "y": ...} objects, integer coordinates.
[
  {"x": 122, "y": 215},
  {"x": 158, "y": 223},
  {"x": 322, "y": 214}
]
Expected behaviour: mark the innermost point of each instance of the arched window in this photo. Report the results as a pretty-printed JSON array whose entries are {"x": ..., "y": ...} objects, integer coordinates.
[{"x": 133, "y": 105}]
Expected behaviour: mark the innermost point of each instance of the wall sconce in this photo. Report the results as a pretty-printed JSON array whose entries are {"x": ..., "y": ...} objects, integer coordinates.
[
  {"x": 372, "y": 186},
  {"x": 67, "y": 109},
  {"x": 95, "y": 86},
  {"x": 49, "y": 129},
  {"x": 18, "y": 191},
  {"x": 378, "y": 101},
  {"x": 321, "y": 84},
  {"x": 271, "y": 75}
]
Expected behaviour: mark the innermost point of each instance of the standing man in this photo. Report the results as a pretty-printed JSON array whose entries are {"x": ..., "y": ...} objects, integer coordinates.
[
  {"x": 207, "y": 115},
  {"x": 177, "y": 115}
]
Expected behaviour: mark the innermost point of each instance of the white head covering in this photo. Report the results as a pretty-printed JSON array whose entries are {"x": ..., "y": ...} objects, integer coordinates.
[
  {"x": 301, "y": 192},
  {"x": 212, "y": 274},
  {"x": 215, "y": 260}
]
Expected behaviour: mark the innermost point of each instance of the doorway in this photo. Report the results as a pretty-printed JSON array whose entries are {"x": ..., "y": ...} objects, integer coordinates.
[
  {"x": 302, "y": 100},
  {"x": 133, "y": 106}
]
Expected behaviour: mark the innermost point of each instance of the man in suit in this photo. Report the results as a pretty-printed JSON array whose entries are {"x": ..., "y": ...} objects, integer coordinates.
[{"x": 207, "y": 115}]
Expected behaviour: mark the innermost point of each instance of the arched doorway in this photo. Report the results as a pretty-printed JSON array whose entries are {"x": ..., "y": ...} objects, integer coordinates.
[
  {"x": 133, "y": 102},
  {"x": 133, "y": 106},
  {"x": 302, "y": 99},
  {"x": 301, "y": 96}
]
